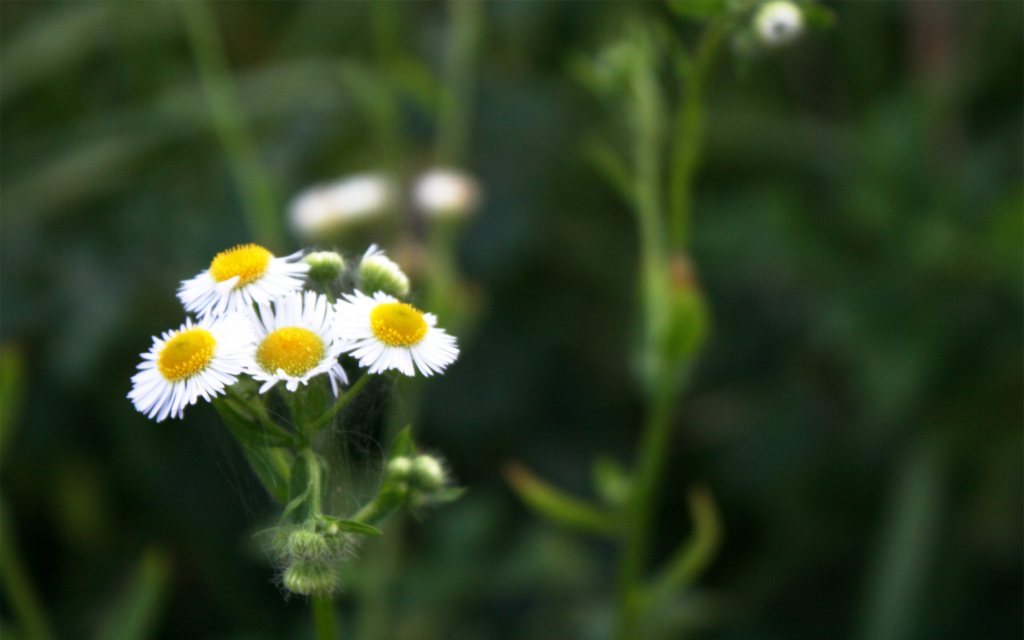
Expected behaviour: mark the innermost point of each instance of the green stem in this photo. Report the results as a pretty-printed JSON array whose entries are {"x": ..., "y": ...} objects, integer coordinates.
[
  {"x": 325, "y": 622},
  {"x": 21, "y": 593},
  {"x": 323, "y": 420},
  {"x": 254, "y": 186},
  {"x": 453, "y": 118},
  {"x": 640, "y": 510},
  {"x": 259, "y": 412},
  {"x": 315, "y": 496},
  {"x": 689, "y": 129},
  {"x": 693, "y": 556}
]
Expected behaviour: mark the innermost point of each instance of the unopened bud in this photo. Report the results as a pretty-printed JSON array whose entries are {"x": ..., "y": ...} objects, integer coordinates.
[
  {"x": 778, "y": 23},
  {"x": 427, "y": 473},
  {"x": 324, "y": 266},
  {"x": 311, "y": 578},
  {"x": 307, "y": 545},
  {"x": 688, "y": 312},
  {"x": 378, "y": 273},
  {"x": 446, "y": 194},
  {"x": 399, "y": 468}
]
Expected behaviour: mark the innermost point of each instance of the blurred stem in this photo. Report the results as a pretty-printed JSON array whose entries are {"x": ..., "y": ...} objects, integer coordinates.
[
  {"x": 693, "y": 556},
  {"x": 325, "y": 623},
  {"x": 22, "y": 597},
  {"x": 689, "y": 128},
  {"x": 640, "y": 509},
  {"x": 453, "y": 118},
  {"x": 258, "y": 199},
  {"x": 315, "y": 495},
  {"x": 322, "y": 421}
]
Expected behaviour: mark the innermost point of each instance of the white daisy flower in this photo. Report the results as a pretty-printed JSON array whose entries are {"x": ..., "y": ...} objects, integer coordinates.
[
  {"x": 779, "y": 23},
  {"x": 239, "y": 277},
  {"x": 197, "y": 359},
  {"x": 387, "y": 334},
  {"x": 294, "y": 341}
]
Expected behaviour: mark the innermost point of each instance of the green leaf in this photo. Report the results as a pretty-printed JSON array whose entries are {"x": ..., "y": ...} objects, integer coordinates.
[
  {"x": 250, "y": 430},
  {"x": 141, "y": 604},
  {"x": 556, "y": 506},
  {"x": 351, "y": 526},
  {"x": 11, "y": 374},
  {"x": 269, "y": 462},
  {"x": 308, "y": 402},
  {"x": 611, "y": 481},
  {"x": 818, "y": 16},
  {"x": 696, "y": 9},
  {"x": 403, "y": 444}
]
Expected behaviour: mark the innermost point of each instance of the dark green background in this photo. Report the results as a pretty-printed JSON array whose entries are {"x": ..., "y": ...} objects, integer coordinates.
[{"x": 857, "y": 229}]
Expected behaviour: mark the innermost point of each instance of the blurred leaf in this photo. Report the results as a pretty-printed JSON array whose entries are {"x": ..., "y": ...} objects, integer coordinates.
[
  {"x": 403, "y": 444},
  {"x": 556, "y": 506},
  {"x": 448, "y": 494},
  {"x": 613, "y": 168},
  {"x": 20, "y": 593},
  {"x": 818, "y": 16},
  {"x": 351, "y": 526},
  {"x": 611, "y": 481},
  {"x": 12, "y": 370},
  {"x": 250, "y": 430},
  {"x": 140, "y": 606},
  {"x": 696, "y": 9},
  {"x": 693, "y": 556}
]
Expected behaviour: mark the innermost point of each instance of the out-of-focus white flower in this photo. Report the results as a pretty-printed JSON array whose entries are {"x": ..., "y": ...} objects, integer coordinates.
[
  {"x": 239, "y": 277},
  {"x": 446, "y": 193},
  {"x": 328, "y": 208},
  {"x": 778, "y": 23}
]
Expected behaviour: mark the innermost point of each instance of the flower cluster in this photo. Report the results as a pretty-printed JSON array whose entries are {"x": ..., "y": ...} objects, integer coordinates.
[{"x": 253, "y": 318}]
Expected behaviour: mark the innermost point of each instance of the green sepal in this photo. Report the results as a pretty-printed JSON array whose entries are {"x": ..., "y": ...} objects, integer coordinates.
[
  {"x": 351, "y": 526},
  {"x": 697, "y": 9},
  {"x": 559, "y": 507},
  {"x": 403, "y": 444},
  {"x": 818, "y": 16},
  {"x": 611, "y": 481}
]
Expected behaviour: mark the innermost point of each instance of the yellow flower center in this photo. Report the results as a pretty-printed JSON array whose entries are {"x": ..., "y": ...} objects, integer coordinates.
[
  {"x": 247, "y": 261},
  {"x": 398, "y": 324},
  {"x": 293, "y": 349},
  {"x": 186, "y": 354}
]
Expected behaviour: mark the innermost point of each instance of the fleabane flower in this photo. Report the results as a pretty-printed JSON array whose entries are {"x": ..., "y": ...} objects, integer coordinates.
[
  {"x": 197, "y": 359},
  {"x": 294, "y": 341},
  {"x": 387, "y": 334},
  {"x": 239, "y": 277}
]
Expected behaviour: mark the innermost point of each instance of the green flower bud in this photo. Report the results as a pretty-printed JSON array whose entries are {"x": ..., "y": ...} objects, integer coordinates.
[
  {"x": 427, "y": 474},
  {"x": 399, "y": 469},
  {"x": 688, "y": 321},
  {"x": 324, "y": 266},
  {"x": 311, "y": 578},
  {"x": 378, "y": 273},
  {"x": 307, "y": 545}
]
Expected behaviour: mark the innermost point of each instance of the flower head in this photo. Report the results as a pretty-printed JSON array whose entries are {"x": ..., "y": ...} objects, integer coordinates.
[
  {"x": 197, "y": 359},
  {"x": 324, "y": 265},
  {"x": 239, "y": 277},
  {"x": 388, "y": 334},
  {"x": 778, "y": 23},
  {"x": 377, "y": 272},
  {"x": 294, "y": 342}
]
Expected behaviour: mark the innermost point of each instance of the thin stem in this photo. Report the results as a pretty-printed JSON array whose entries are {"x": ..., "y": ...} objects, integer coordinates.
[
  {"x": 689, "y": 129},
  {"x": 322, "y": 421},
  {"x": 325, "y": 623},
  {"x": 693, "y": 556},
  {"x": 640, "y": 510},
  {"x": 454, "y": 123},
  {"x": 254, "y": 186},
  {"x": 315, "y": 496}
]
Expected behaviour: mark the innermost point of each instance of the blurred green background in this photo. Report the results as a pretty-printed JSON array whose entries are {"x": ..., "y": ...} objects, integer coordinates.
[{"x": 857, "y": 229}]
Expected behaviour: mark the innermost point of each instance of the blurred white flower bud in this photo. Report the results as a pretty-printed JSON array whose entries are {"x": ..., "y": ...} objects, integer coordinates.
[
  {"x": 399, "y": 468},
  {"x": 326, "y": 209},
  {"x": 779, "y": 23},
  {"x": 378, "y": 273},
  {"x": 446, "y": 193}
]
